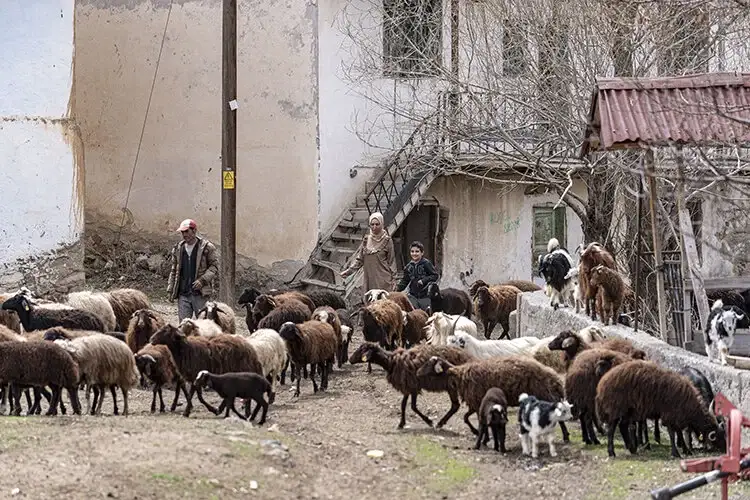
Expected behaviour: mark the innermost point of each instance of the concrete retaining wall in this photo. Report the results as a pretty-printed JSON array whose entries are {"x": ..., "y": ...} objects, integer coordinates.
[{"x": 536, "y": 318}]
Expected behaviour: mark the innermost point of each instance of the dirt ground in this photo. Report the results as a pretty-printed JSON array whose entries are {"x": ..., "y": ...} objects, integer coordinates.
[{"x": 312, "y": 447}]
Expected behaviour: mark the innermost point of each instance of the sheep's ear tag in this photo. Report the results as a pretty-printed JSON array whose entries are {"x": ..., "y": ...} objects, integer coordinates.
[
  {"x": 438, "y": 368},
  {"x": 25, "y": 306},
  {"x": 364, "y": 358}
]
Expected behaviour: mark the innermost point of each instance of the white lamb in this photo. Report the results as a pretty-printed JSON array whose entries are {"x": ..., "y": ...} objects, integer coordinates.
[
  {"x": 272, "y": 353},
  {"x": 200, "y": 327},
  {"x": 440, "y": 326},
  {"x": 483, "y": 349}
]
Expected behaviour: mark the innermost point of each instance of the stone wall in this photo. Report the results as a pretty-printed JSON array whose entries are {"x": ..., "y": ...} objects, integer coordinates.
[{"x": 536, "y": 318}]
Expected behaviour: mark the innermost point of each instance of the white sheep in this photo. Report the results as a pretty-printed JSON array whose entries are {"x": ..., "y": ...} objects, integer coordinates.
[
  {"x": 441, "y": 325},
  {"x": 200, "y": 327},
  {"x": 272, "y": 353},
  {"x": 96, "y": 303},
  {"x": 484, "y": 349}
]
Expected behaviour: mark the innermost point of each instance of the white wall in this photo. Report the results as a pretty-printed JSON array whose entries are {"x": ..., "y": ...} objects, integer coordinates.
[
  {"x": 39, "y": 147},
  {"x": 490, "y": 229}
]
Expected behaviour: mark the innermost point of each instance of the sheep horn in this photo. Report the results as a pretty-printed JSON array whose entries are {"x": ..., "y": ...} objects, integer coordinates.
[
  {"x": 148, "y": 358},
  {"x": 453, "y": 328},
  {"x": 712, "y": 436}
]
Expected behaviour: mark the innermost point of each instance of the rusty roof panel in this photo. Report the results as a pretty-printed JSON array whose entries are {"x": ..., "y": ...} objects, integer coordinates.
[{"x": 629, "y": 112}]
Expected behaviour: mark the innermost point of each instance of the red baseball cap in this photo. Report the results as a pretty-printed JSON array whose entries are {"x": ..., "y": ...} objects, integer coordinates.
[{"x": 187, "y": 224}]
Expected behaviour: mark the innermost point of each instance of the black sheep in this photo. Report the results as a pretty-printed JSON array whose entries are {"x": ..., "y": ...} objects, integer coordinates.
[
  {"x": 245, "y": 385},
  {"x": 326, "y": 298},
  {"x": 37, "y": 318},
  {"x": 701, "y": 383},
  {"x": 449, "y": 300},
  {"x": 493, "y": 414}
]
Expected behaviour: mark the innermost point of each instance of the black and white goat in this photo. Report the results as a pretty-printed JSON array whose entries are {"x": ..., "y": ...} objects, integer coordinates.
[
  {"x": 537, "y": 419},
  {"x": 558, "y": 270},
  {"x": 720, "y": 328}
]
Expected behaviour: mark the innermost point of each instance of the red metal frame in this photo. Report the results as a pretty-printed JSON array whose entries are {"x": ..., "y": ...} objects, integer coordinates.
[{"x": 735, "y": 453}]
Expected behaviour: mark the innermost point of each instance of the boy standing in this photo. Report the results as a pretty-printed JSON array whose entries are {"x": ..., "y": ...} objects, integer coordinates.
[{"x": 417, "y": 275}]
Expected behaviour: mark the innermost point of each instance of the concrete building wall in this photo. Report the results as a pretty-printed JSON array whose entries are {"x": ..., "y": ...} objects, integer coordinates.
[
  {"x": 42, "y": 205},
  {"x": 489, "y": 233},
  {"x": 178, "y": 169}
]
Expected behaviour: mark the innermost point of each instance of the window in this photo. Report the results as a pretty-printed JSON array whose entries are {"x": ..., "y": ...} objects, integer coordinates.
[
  {"x": 548, "y": 223},
  {"x": 412, "y": 37},
  {"x": 515, "y": 51}
]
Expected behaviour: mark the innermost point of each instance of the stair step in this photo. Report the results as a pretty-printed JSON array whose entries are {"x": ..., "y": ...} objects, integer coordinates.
[
  {"x": 334, "y": 266},
  {"x": 323, "y": 284},
  {"x": 342, "y": 236},
  {"x": 339, "y": 250},
  {"x": 353, "y": 224},
  {"x": 360, "y": 214}
]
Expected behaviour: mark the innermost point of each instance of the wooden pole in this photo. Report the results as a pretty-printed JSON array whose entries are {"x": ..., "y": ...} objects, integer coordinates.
[
  {"x": 638, "y": 251},
  {"x": 660, "y": 292},
  {"x": 690, "y": 255},
  {"x": 228, "y": 149}
]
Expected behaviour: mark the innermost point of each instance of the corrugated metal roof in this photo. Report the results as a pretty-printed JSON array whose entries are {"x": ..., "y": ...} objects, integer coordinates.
[{"x": 632, "y": 112}]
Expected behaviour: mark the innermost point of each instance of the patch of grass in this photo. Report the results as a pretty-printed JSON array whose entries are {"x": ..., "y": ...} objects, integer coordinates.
[
  {"x": 164, "y": 476},
  {"x": 444, "y": 473}
]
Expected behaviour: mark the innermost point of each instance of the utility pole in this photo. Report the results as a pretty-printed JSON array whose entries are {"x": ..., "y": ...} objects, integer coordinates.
[{"x": 228, "y": 149}]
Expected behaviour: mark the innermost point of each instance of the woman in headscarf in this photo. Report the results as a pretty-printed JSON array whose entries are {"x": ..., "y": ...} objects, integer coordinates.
[{"x": 376, "y": 256}]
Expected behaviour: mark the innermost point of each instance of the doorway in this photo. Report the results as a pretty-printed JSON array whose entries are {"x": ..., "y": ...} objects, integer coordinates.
[{"x": 422, "y": 224}]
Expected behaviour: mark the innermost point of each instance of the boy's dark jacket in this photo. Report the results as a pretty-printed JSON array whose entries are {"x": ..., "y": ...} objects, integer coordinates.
[{"x": 422, "y": 271}]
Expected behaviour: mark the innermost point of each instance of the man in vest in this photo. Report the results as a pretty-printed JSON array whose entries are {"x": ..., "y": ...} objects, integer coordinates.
[{"x": 194, "y": 265}]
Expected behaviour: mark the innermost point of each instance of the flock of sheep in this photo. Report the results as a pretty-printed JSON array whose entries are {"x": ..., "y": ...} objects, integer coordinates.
[{"x": 115, "y": 340}]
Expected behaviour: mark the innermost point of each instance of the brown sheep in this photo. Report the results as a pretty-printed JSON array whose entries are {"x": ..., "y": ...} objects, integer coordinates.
[
  {"x": 493, "y": 414},
  {"x": 312, "y": 342},
  {"x": 593, "y": 255},
  {"x": 143, "y": 323},
  {"x": 610, "y": 293},
  {"x": 220, "y": 354},
  {"x": 661, "y": 393},
  {"x": 493, "y": 305},
  {"x": 292, "y": 310},
  {"x": 572, "y": 344},
  {"x": 515, "y": 375},
  {"x": 523, "y": 285},
  {"x": 580, "y": 385},
  {"x": 475, "y": 287},
  {"x": 383, "y": 322},
  {"x": 157, "y": 363},
  {"x": 299, "y": 296},
  {"x": 124, "y": 302},
  {"x": 401, "y": 368},
  {"x": 414, "y": 328},
  {"x": 400, "y": 298},
  {"x": 327, "y": 314}
]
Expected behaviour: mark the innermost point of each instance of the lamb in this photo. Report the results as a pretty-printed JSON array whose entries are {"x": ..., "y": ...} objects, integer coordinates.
[
  {"x": 401, "y": 368},
  {"x": 272, "y": 355},
  {"x": 327, "y": 314},
  {"x": 415, "y": 323},
  {"x": 592, "y": 256},
  {"x": 449, "y": 300},
  {"x": 670, "y": 397},
  {"x": 383, "y": 323},
  {"x": 221, "y": 314},
  {"x": 124, "y": 302},
  {"x": 312, "y": 342},
  {"x": 157, "y": 363},
  {"x": 95, "y": 303},
  {"x": 515, "y": 375},
  {"x": 219, "y": 354},
  {"x": 347, "y": 329},
  {"x": 200, "y": 327},
  {"x": 400, "y": 298},
  {"x": 720, "y": 329},
  {"x": 610, "y": 293},
  {"x": 249, "y": 386},
  {"x": 493, "y": 414},
  {"x": 292, "y": 310},
  {"x": 329, "y": 298},
  {"x": 555, "y": 267},
  {"x": 537, "y": 419},
  {"x": 143, "y": 324},
  {"x": 103, "y": 361},
  {"x": 440, "y": 326},
  {"x": 494, "y": 305},
  {"x": 485, "y": 349},
  {"x": 37, "y": 318},
  {"x": 53, "y": 367},
  {"x": 581, "y": 380}
]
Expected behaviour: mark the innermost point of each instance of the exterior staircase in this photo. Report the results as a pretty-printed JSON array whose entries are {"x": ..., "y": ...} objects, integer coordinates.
[{"x": 394, "y": 191}]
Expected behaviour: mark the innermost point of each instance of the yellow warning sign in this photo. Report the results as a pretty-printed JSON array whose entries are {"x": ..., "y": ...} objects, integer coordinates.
[{"x": 228, "y": 177}]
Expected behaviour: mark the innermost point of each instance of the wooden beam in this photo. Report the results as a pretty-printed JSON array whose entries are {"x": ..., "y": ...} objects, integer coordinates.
[
  {"x": 660, "y": 292},
  {"x": 228, "y": 150},
  {"x": 730, "y": 283}
]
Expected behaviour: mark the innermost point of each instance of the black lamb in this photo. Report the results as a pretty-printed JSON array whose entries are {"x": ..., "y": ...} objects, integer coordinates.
[
  {"x": 449, "y": 300},
  {"x": 38, "y": 318},
  {"x": 245, "y": 385}
]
